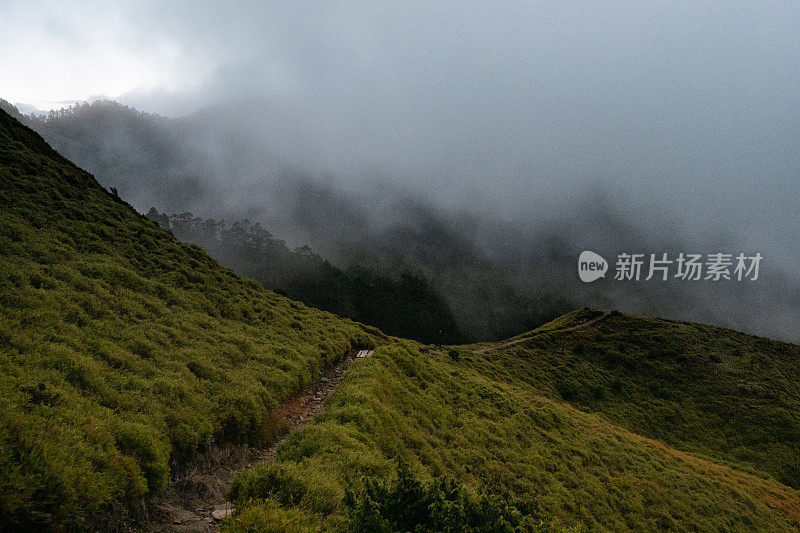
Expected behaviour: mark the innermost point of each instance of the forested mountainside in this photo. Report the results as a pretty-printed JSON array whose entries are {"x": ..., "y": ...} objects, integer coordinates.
[{"x": 404, "y": 305}]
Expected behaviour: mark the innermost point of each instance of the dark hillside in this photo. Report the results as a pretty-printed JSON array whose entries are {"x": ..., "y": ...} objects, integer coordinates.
[{"x": 405, "y": 305}]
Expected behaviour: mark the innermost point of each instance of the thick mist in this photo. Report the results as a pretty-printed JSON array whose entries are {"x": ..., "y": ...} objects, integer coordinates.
[
  {"x": 690, "y": 108},
  {"x": 498, "y": 276},
  {"x": 484, "y": 146}
]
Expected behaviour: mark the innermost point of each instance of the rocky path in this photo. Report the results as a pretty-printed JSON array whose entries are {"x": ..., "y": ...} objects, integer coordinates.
[{"x": 195, "y": 500}]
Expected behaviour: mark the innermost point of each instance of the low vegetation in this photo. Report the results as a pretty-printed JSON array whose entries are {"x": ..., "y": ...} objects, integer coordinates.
[{"x": 441, "y": 504}]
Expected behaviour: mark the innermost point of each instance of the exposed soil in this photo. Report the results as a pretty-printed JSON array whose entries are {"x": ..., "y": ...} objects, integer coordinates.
[{"x": 195, "y": 499}]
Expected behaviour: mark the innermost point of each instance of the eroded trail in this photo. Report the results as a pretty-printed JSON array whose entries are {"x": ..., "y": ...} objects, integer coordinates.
[{"x": 195, "y": 500}]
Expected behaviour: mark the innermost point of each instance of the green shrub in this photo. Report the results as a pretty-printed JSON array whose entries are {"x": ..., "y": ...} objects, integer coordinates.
[
  {"x": 283, "y": 483},
  {"x": 441, "y": 504},
  {"x": 150, "y": 451},
  {"x": 288, "y": 484}
]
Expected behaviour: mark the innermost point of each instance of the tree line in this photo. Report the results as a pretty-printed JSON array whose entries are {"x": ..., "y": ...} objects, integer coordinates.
[{"x": 404, "y": 304}]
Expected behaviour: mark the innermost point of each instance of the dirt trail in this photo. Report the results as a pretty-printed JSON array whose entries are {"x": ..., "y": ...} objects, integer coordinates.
[
  {"x": 582, "y": 325},
  {"x": 195, "y": 500}
]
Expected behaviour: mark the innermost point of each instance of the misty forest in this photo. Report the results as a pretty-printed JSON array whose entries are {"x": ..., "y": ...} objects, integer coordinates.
[{"x": 321, "y": 268}]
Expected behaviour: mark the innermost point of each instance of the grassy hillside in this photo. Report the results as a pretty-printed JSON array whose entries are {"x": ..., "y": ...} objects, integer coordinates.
[
  {"x": 731, "y": 396},
  {"x": 591, "y": 422},
  {"x": 122, "y": 351}
]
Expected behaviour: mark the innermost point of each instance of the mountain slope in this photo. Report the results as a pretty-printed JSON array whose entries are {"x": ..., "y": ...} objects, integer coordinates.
[
  {"x": 659, "y": 443},
  {"x": 122, "y": 351},
  {"x": 732, "y": 396}
]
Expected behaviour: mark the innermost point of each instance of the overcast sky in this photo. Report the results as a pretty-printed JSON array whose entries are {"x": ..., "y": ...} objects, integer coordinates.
[{"x": 688, "y": 108}]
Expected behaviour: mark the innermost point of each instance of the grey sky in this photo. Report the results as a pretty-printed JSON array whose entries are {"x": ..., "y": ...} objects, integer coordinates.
[{"x": 690, "y": 109}]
